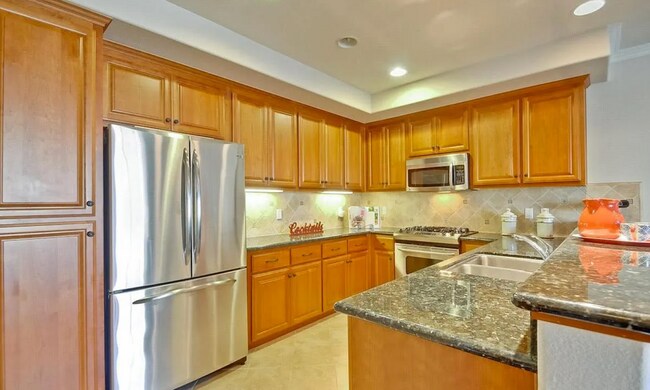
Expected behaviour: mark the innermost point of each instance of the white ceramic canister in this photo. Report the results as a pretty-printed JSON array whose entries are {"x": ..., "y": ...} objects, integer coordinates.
[
  {"x": 545, "y": 224},
  {"x": 508, "y": 223}
]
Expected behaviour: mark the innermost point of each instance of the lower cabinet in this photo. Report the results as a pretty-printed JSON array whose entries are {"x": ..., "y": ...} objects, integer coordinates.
[
  {"x": 293, "y": 285},
  {"x": 269, "y": 303},
  {"x": 344, "y": 276},
  {"x": 305, "y": 292},
  {"x": 49, "y": 298},
  {"x": 383, "y": 267},
  {"x": 468, "y": 245}
]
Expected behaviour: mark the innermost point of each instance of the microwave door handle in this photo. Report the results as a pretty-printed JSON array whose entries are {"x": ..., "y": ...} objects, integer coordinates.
[{"x": 451, "y": 177}]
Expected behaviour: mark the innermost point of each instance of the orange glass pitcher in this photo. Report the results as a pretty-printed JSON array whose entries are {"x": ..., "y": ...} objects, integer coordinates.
[{"x": 600, "y": 218}]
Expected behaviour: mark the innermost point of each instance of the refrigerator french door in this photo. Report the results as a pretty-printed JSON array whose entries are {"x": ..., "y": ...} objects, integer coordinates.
[{"x": 176, "y": 276}]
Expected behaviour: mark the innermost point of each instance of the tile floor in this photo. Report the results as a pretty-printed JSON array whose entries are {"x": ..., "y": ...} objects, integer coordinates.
[{"x": 314, "y": 357}]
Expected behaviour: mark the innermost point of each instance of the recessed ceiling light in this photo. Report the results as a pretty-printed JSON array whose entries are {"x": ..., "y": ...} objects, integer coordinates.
[
  {"x": 588, "y": 7},
  {"x": 398, "y": 72},
  {"x": 347, "y": 42}
]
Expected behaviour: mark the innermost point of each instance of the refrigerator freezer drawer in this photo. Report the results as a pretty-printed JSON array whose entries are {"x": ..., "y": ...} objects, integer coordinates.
[{"x": 167, "y": 336}]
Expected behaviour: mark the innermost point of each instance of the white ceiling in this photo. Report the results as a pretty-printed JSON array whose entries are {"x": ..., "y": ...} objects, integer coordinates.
[
  {"x": 428, "y": 37},
  {"x": 451, "y": 47}
]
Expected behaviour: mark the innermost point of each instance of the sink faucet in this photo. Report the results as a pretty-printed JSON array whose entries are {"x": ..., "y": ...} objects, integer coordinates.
[{"x": 544, "y": 249}]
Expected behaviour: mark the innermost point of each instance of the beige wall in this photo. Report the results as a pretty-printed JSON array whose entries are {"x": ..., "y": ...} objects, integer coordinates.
[{"x": 468, "y": 209}]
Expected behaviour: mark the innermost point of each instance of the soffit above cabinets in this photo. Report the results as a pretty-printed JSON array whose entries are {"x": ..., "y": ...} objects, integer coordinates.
[{"x": 449, "y": 47}]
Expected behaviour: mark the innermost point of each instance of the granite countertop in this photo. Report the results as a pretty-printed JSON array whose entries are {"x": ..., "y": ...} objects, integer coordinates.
[
  {"x": 276, "y": 240},
  {"x": 487, "y": 237},
  {"x": 471, "y": 313},
  {"x": 600, "y": 283}
]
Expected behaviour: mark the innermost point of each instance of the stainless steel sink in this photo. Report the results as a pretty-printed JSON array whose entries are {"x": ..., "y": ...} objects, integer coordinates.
[{"x": 500, "y": 267}]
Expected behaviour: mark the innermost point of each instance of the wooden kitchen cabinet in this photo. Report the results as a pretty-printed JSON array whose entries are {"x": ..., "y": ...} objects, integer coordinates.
[
  {"x": 386, "y": 157},
  {"x": 354, "y": 158},
  {"x": 321, "y": 151},
  {"x": 438, "y": 131},
  {"x": 51, "y": 246},
  {"x": 270, "y": 297},
  {"x": 383, "y": 259},
  {"x": 148, "y": 91},
  {"x": 268, "y": 130},
  {"x": 468, "y": 245},
  {"x": 305, "y": 287},
  {"x": 554, "y": 136},
  {"x": 47, "y": 102},
  {"x": 334, "y": 281},
  {"x": 357, "y": 277},
  {"x": 495, "y": 138}
]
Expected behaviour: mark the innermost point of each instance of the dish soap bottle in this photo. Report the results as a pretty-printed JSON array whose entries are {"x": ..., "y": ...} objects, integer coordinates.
[
  {"x": 508, "y": 223},
  {"x": 545, "y": 224}
]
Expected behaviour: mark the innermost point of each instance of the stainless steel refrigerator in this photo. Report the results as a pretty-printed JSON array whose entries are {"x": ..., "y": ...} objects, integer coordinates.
[{"x": 176, "y": 263}]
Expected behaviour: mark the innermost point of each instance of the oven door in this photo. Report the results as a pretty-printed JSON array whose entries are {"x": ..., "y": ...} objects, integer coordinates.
[{"x": 411, "y": 257}]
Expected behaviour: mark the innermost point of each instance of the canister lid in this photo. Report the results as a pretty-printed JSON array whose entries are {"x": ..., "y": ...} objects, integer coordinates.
[
  {"x": 508, "y": 216},
  {"x": 545, "y": 216}
]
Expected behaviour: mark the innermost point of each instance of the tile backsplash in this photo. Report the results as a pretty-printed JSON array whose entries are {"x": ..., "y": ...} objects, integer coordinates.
[{"x": 478, "y": 210}]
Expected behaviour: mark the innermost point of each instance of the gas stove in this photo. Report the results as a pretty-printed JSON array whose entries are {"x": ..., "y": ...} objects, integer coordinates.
[{"x": 448, "y": 236}]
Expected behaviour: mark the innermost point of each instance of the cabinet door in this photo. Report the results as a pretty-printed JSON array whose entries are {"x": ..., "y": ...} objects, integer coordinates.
[
  {"x": 138, "y": 93},
  {"x": 47, "y": 105},
  {"x": 332, "y": 156},
  {"x": 375, "y": 138},
  {"x": 383, "y": 267},
  {"x": 283, "y": 144},
  {"x": 452, "y": 130},
  {"x": 334, "y": 280},
  {"x": 354, "y": 158},
  {"x": 421, "y": 139},
  {"x": 553, "y": 137},
  {"x": 249, "y": 122},
  {"x": 395, "y": 158},
  {"x": 49, "y": 306},
  {"x": 495, "y": 143},
  {"x": 309, "y": 158},
  {"x": 306, "y": 292},
  {"x": 269, "y": 303},
  {"x": 357, "y": 274},
  {"x": 201, "y": 107}
]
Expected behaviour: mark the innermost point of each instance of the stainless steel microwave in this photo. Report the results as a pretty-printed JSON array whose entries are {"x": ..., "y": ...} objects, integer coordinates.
[{"x": 444, "y": 173}]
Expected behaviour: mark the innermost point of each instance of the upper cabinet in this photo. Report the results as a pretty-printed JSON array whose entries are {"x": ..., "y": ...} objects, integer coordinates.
[
  {"x": 146, "y": 91},
  {"x": 553, "y": 141},
  {"x": 495, "y": 143},
  {"x": 386, "y": 157},
  {"x": 48, "y": 110},
  {"x": 354, "y": 157},
  {"x": 268, "y": 130},
  {"x": 444, "y": 130},
  {"x": 321, "y": 151},
  {"x": 531, "y": 137}
]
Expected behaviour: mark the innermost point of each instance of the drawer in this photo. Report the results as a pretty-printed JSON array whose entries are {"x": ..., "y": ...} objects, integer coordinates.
[
  {"x": 305, "y": 253},
  {"x": 383, "y": 243},
  {"x": 335, "y": 248},
  {"x": 358, "y": 244},
  {"x": 269, "y": 260}
]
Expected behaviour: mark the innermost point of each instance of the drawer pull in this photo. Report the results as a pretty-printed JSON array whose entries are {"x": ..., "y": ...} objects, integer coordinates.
[
  {"x": 307, "y": 254},
  {"x": 272, "y": 261}
]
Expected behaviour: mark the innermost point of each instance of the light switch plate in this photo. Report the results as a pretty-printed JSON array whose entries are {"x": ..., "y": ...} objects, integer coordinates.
[
  {"x": 528, "y": 212},
  {"x": 278, "y": 214}
]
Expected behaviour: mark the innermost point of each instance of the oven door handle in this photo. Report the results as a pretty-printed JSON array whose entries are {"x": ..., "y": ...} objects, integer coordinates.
[{"x": 450, "y": 253}]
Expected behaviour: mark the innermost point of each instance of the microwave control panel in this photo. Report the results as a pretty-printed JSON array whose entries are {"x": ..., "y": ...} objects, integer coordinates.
[{"x": 459, "y": 174}]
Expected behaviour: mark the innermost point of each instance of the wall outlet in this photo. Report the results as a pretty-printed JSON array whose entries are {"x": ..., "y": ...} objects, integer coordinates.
[
  {"x": 528, "y": 212},
  {"x": 278, "y": 214},
  {"x": 487, "y": 221}
]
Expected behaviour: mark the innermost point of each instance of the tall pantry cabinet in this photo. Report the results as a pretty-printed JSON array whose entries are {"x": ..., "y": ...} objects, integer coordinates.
[{"x": 51, "y": 267}]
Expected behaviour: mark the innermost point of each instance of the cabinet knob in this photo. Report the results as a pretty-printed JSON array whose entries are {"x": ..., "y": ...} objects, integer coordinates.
[
  {"x": 266, "y": 179},
  {"x": 176, "y": 121},
  {"x": 167, "y": 120},
  {"x": 437, "y": 147},
  {"x": 90, "y": 234},
  {"x": 90, "y": 203},
  {"x": 271, "y": 179},
  {"x": 525, "y": 175}
]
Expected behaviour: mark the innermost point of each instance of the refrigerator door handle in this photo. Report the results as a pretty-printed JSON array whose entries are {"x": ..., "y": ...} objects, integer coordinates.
[
  {"x": 196, "y": 173},
  {"x": 183, "y": 291},
  {"x": 186, "y": 201}
]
